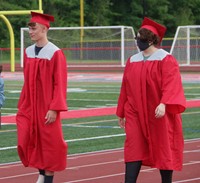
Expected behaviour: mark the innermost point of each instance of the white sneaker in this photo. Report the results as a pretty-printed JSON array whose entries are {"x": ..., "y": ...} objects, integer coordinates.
[{"x": 40, "y": 179}]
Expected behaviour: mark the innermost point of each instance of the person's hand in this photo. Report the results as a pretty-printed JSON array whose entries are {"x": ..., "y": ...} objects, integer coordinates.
[
  {"x": 160, "y": 110},
  {"x": 121, "y": 122},
  {"x": 50, "y": 116}
]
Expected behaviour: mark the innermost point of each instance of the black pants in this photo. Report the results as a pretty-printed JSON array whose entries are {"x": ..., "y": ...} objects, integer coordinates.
[{"x": 133, "y": 169}]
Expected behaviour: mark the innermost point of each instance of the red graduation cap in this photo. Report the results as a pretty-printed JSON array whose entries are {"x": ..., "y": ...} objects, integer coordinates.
[
  {"x": 40, "y": 18},
  {"x": 154, "y": 27}
]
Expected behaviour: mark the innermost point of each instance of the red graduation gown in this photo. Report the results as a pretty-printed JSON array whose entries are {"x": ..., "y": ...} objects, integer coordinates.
[
  {"x": 45, "y": 78},
  {"x": 146, "y": 84}
]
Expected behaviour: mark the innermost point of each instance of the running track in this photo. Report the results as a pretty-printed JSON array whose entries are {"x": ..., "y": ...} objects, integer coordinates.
[{"x": 106, "y": 167}]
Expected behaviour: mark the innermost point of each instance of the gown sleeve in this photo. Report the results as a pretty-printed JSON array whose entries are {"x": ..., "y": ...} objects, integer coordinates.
[
  {"x": 58, "y": 102},
  {"x": 172, "y": 89},
  {"x": 123, "y": 95}
]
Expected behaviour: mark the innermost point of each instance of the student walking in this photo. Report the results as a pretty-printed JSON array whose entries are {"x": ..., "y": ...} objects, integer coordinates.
[
  {"x": 40, "y": 139},
  {"x": 149, "y": 107}
]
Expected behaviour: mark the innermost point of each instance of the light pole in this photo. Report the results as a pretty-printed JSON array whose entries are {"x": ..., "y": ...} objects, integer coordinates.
[{"x": 81, "y": 25}]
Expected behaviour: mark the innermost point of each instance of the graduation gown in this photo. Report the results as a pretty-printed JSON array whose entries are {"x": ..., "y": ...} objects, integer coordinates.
[
  {"x": 158, "y": 142},
  {"x": 45, "y": 78}
]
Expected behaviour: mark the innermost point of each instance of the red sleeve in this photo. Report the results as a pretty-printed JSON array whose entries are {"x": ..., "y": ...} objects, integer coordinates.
[
  {"x": 123, "y": 95},
  {"x": 172, "y": 89},
  {"x": 60, "y": 82}
]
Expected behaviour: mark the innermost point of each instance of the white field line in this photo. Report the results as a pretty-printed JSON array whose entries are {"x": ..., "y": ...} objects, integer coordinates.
[
  {"x": 188, "y": 180},
  {"x": 89, "y": 126},
  {"x": 89, "y": 154},
  {"x": 94, "y": 138},
  {"x": 119, "y": 174},
  {"x": 96, "y": 100},
  {"x": 71, "y": 124},
  {"x": 20, "y": 175},
  {"x": 91, "y": 138},
  {"x": 96, "y": 153},
  {"x": 92, "y": 165},
  {"x": 121, "y": 160},
  {"x": 188, "y": 141},
  {"x": 75, "y": 140},
  {"x": 95, "y": 178},
  {"x": 71, "y": 156}
]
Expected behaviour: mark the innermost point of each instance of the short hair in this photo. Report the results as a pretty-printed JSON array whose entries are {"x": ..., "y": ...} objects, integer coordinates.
[
  {"x": 148, "y": 35},
  {"x": 32, "y": 24}
]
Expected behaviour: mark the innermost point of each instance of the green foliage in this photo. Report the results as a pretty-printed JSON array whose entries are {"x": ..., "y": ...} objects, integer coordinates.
[{"x": 101, "y": 13}]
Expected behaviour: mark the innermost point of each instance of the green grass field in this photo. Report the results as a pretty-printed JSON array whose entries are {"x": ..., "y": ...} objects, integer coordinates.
[{"x": 92, "y": 133}]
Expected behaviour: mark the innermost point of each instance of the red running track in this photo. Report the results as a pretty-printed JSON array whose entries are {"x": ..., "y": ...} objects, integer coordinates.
[{"x": 106, "y": 167}]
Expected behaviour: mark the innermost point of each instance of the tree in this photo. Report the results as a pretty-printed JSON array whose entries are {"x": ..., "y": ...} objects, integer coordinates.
[
  {"x": 97, "y": 13},
  {"x": 102, "y": 13}
]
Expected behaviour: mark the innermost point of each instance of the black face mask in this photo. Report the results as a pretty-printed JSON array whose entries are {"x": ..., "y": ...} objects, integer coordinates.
[{"x": 142, "y": 45}]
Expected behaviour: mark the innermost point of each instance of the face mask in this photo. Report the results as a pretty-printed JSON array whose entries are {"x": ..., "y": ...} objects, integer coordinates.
[{"x": 143, "y": 45}]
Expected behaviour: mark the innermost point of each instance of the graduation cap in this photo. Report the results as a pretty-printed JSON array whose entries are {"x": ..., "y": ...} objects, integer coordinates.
[
  {"x": 40, "y": 18},
  {"x": 154, "y": 27}
]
